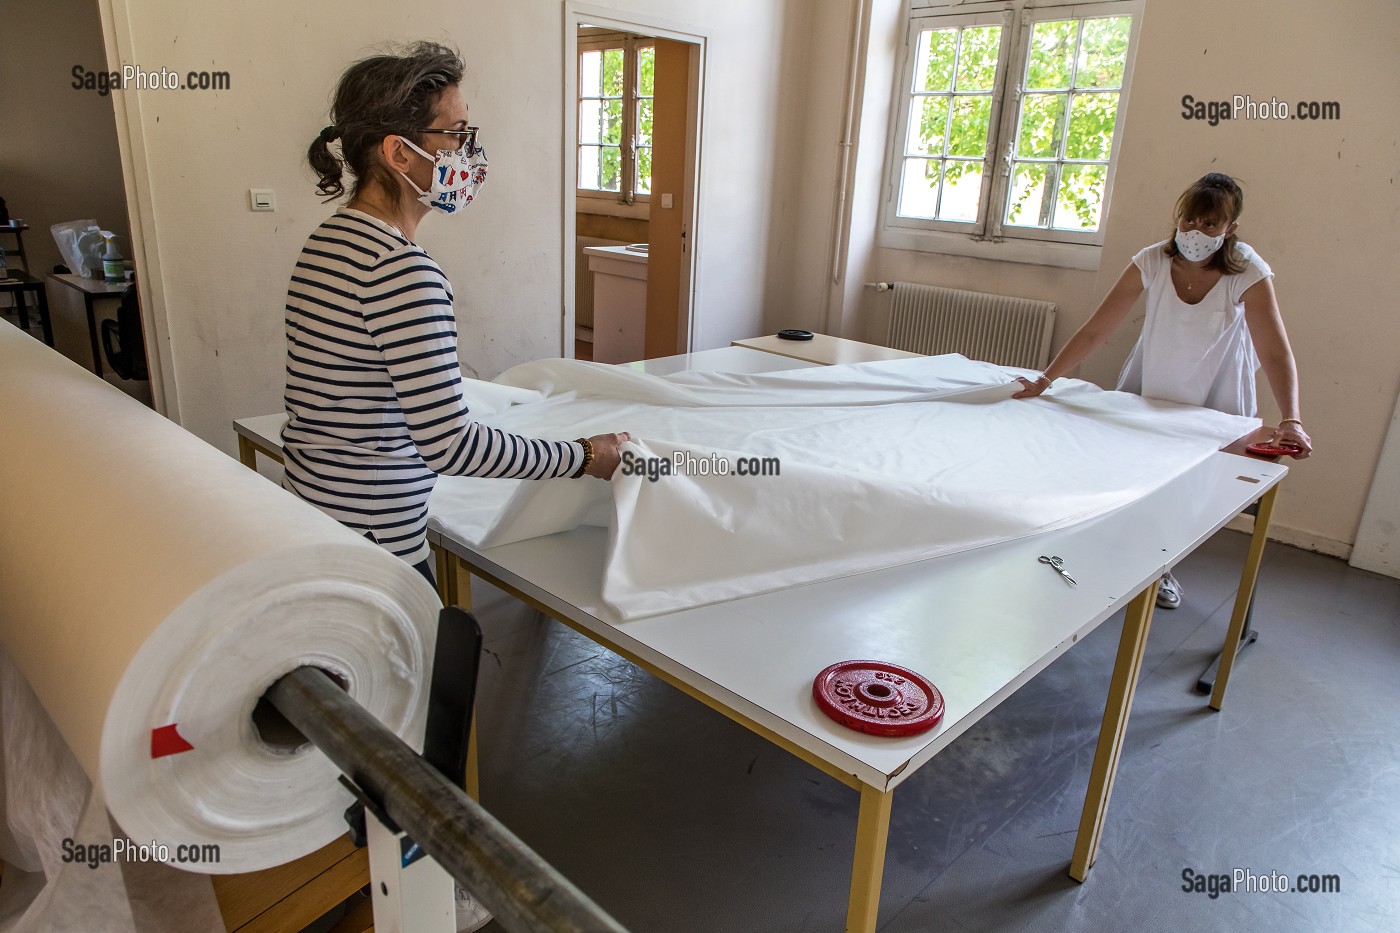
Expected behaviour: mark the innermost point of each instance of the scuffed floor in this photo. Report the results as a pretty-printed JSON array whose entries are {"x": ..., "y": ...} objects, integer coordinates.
[{"x": 676, "y": 819}]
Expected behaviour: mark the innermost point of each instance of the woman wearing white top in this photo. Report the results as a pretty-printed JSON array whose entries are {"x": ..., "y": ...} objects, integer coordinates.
[{"x": 1212, "y": 321}]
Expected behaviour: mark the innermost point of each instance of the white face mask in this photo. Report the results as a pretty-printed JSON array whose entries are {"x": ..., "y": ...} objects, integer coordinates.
[
  {"x": 457, "y": 174},
  {"x": 1195, "y": 245}
]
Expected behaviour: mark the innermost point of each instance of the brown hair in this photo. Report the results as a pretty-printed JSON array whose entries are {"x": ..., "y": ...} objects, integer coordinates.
[
  {"x": 1214, "y": 198},
  {"x": 384, "y": 95}
]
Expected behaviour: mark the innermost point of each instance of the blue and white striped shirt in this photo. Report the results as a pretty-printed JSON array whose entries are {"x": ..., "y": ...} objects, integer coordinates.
[{"x": 373, "y": 392}]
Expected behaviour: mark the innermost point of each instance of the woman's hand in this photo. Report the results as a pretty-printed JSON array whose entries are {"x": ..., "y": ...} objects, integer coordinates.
[
  {"x": 1032, "y": 389},
  {"x": 606, "y": 454},
  {"x": 1291, "y": 434}
]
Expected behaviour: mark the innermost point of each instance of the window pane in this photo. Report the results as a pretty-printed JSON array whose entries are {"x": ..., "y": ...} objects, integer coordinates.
[
  {"x": 962, "y": 189},
  {"x": 644, "y": 170},
  {"x": 646, "y": 71},
  {"x": 918, "y": 194},
  {"x": 610, "y": 168},
  {"x": 1103, "y": 52},
  {"x": 600, "y": 121},
  {"x": 1042, "y": 124},
  {"x": 612, "y": 72},
  {"x": 928, "y": 125},
  {"x": 644, "y": 108},
  {"x": 612, "y": 122},
  {"x": 933, "y": 67},
  {"x": 1091, "y": 120},
  {"x": 600, "y": 168},
  {"x": 967, "y": 131},
  {"x": 590, "y": 74},
  {"x": 977, "y": 63},
  {"x": 588, "y": 167},
  {"x": 590, "y": 121},
  {"x": 1051, "y": 57},
  {"x": 1080, "y": 200},
  {"x": 1028, "y": 204}
]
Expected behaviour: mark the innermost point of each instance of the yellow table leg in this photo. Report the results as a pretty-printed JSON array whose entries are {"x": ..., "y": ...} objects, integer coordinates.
[
  {"x": 442, "y": 561},
  {"x": 247, "y": 453},
  {"x": 872, "y": 831},
  {"x": 1243, "y": 596},
  {"x": 1115, "y": 725}
]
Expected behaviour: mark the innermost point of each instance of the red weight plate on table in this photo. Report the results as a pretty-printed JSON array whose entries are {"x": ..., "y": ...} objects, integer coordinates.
[
  {"x": 1269, "y": 450},
  {"x": 878, "y": 698}
]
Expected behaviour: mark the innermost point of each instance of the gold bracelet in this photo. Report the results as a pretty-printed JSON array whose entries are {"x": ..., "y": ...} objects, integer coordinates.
[
  {"x": 1290, "y": 421},
  {"x": 587, "y": 456}
]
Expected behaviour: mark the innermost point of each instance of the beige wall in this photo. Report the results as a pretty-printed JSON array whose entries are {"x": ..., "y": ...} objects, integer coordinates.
[
  {"x": 58, "y": 145},
  {"x": 224, "y": 270},
  {"x": 1322, "y": 206},
  {"x": 1321, "y": 198}
]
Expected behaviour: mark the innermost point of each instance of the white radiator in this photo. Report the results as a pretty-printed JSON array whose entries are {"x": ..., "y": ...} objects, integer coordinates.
[
  {"x": 994, "y": 328},
  {"x": 583, "y": 280}
]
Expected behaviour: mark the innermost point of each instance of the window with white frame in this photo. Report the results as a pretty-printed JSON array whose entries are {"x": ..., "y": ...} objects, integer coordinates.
[
  {"x": 617, "y": 81},
  {"x": 1008, "y": 121}
]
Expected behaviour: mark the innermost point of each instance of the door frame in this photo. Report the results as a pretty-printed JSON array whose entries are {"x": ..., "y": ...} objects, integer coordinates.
[{"x": 578, "y": 14}]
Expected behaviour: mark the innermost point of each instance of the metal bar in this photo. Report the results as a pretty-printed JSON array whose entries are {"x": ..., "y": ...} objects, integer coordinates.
[{"x": 515, "y": 884}]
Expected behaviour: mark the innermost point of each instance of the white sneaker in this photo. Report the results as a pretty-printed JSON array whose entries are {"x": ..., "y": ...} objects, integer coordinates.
[
  {"x": 1169, "y": 593},
  {"x": 471, "y": 916}
]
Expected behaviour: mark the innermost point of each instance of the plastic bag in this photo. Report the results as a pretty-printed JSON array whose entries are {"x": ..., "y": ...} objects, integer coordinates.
[{"x": 80, "y": 244}]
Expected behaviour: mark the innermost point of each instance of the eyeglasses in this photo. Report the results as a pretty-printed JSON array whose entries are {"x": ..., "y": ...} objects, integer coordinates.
[{"x": 466, "y": 139}]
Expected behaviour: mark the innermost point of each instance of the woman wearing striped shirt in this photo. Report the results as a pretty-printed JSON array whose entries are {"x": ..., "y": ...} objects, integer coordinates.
[{"x": 374, "y": 394}]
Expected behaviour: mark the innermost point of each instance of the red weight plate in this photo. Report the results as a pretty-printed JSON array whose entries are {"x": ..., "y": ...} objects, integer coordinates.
[
  {"x": 1269, "y": 450},
  {"x": 878, "y": 698}
]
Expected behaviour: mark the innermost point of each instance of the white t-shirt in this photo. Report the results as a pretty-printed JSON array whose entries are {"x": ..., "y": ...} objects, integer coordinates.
[{"x": 1197, "y": 354}]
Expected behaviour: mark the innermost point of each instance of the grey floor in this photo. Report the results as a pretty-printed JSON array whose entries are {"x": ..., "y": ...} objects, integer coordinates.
[{"x": 676, "y": 819}]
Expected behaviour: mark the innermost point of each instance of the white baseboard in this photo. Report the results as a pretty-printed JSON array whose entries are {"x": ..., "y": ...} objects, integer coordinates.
[{"x": 1295, "y": 537}]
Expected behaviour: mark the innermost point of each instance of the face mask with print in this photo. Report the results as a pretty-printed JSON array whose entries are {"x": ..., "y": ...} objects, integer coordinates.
[
  {"x": 1195, "y": 245},
  {"x": 457, "y": 174}
]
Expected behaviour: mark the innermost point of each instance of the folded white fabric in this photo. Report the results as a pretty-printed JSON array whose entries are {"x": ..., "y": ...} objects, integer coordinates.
[{"x": 877, "y": 464}]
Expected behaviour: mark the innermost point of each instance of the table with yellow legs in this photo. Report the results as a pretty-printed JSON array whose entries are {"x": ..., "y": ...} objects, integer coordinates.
[{"x": 979, "y": 624}]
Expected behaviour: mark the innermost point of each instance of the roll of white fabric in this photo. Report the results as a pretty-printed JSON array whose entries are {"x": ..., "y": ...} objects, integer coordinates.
[{"x": 152, "y": 588}]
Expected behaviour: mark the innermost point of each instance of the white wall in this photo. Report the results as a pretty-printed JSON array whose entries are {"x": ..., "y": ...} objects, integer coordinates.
[
  {"x": 1322, "y": 206},
  {"x": 224, "y": 269},
  {"x": 58, "y": 145}
]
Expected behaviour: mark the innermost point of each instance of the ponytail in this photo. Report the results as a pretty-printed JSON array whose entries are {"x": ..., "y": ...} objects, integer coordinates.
[{"x": 325, "y": 164}]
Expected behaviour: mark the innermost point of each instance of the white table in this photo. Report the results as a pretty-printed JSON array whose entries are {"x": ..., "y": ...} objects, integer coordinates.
[{"x": 979, "y": 624}]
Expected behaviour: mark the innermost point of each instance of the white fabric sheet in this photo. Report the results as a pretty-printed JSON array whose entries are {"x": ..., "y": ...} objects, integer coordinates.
[{"x": 881, "y": 464}]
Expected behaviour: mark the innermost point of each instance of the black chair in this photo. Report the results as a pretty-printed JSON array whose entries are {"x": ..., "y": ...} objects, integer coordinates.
[
  {"x": 22, "y": 285},
  {"x": 123, "y": 340}
]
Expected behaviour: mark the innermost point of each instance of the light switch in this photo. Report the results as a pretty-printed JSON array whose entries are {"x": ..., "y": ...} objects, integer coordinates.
[
  {"x": 262, "y": 199},
  {"x": 667, "y": 201}
]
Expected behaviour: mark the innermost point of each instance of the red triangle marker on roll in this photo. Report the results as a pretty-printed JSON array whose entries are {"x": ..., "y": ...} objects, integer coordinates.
[{"x": 167, "y": 740}]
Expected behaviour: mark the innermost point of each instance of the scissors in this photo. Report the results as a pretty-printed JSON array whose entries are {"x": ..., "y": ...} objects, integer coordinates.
[{"x": 1058, "y": 566}]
